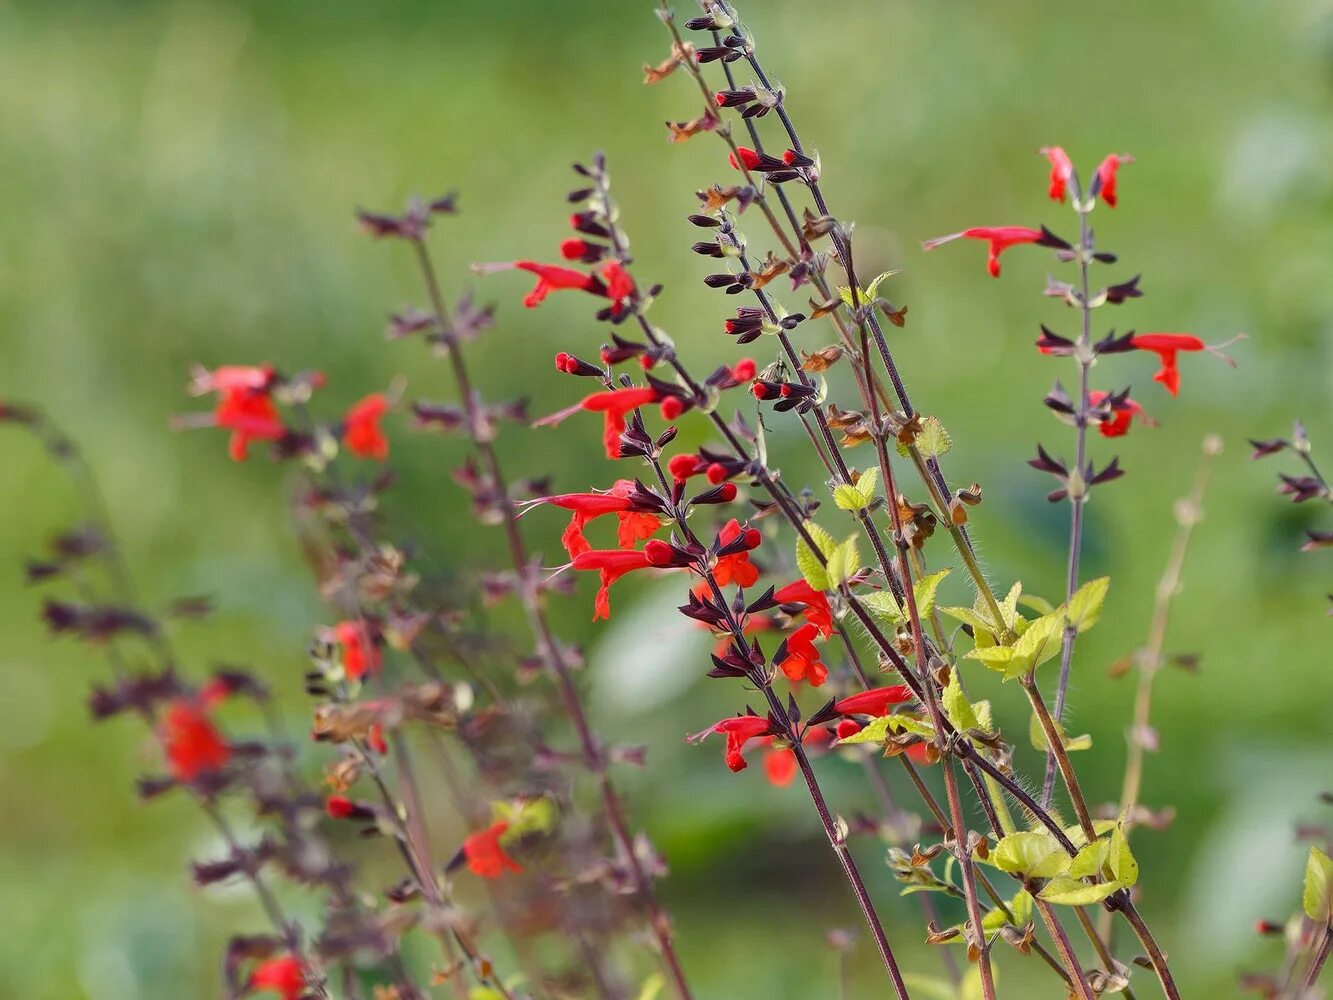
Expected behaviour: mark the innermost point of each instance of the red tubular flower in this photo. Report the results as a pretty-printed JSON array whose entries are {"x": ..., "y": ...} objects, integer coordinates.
[
  {"x": 361, "y": 428},
  {"x": 780, "y": 767},
  {"x": 749, "y": 157},
  {"x": 193, "y": 745},
  {"x": 375, "y": 739},
  {"x": 612, "y": 564},
  {"x": 1103, "y": 184},
  {"x": 1118, "y": 425},
  {"x": 847, "y": 727},
  {"x": 550, "y": 278},
  {"x": 682, "y": 467},
  {"x": 1062, "y": 168},
  {"x": 736, "y": 568},
  {"x": 614, "y": 403},
  {"x": 339, "y": 806},
  {"x": 283, "y": 975},
  {"x": 575, "y": 249},
  {"x": 485, "y": 856},
  {"x": 619, "y": 286},
  {"x": 229, "y": 378},
  {"x": 738, "y": 730},
  {"x": 250, "y": 416},
  {"x": 1166, "y": 346},
  {"x": 360, "y": 654},
  {"x": 877, "y": 701},
  {"x": 817, "y": 611},
  {"x": 586, "y": 507},
  {"x": 1000, "y": 238},
  {"x": 802, "y": 660}
]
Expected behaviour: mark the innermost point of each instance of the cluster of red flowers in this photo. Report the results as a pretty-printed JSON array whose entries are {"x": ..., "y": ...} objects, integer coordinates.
[
  {"x": 247, "y": 403},
  {"x": 1119, "y": 410}
]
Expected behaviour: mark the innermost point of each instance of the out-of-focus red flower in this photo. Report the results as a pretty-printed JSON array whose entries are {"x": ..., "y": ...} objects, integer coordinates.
[
  {"x": 550, "y": 278},
  {"x": 586, "y": 507},
  {"x": 736, "y": 567},
  {"x": 1062, "y": 168},
  {"x": 485, "y": 856},
  {"x": 817, "y": 611},
  {"x": 1118, "y": 425},
  {"x": 619, "y": 286},
  {"x": 877, "y": 701},
  {"x": 780, "y": 763},
  {"x": 360, "y": 654},
  {"x": 999, "y": 238},
  {"x": 339, "y": 806},
  {"x": 614, "y": 404},
  {"x": 283, "y": 975},
  {"x": 375, "y": 738},
  {"x": 361, "y": 428},
  {"x": 228, "y": 378},
  {"x": 193, "y": 744},
  {"x": 802, "y": 661},
  {"x": 250, "y": 416},
  {"x": 1103, "y": 184},
  {"x": 748, "y": 156}
]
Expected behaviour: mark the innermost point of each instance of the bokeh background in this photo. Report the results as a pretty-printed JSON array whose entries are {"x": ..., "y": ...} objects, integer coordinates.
[{"x": 178, "y": 182}]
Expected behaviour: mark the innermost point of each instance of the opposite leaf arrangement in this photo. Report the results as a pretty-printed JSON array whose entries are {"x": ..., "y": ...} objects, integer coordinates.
[{"x": 827, "y": 622}]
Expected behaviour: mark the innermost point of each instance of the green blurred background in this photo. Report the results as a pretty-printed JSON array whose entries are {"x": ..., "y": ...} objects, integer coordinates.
[{"x": 177, "y": 186}]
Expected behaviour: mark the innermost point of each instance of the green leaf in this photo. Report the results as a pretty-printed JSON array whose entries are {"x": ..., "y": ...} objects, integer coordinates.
[
  {"x": 808, "y": 563},
  {"x": 884, "y": 606},
  {"x": 957, "y": 707},
  {"x": 1072, "y": 892},
  {"x": 1121, "y": 859},
  {"x": 652, "y": 987},
  {"x": 1037, "y": 734},
  {"x": 1089, "y": 860},
  {"x": 1020, "y": 906},
  {"x": 971, "y": 987},
  {"x": 869, "y": 293},
  {"x": 932, "y": 440},
  {"x": 873, "y": 731},
  {"x": 867, "y": 485},
  {"x": 1317, "y": 894},
  {"x": 843, "y": 562},
  {"x": 1085, "y": 607},
  {"x": 1033, "y": 853},
  {"x": 876, "y": 730},
  {"x": 1041, "y": 640},
  {"x": 848, "y": 497}
]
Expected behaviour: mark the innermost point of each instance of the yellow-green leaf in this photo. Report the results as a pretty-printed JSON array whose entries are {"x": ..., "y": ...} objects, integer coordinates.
[
  {"x": 1085, "y": 607},
  {"x": 1037, "y": 734},
  {"x": 808, "y": 563},
  {"x": 1317, "y": 894},
  {"x": 652, "y": 987},
  {"x": 1072, "y": 892},
  {"x": 848, "y": 497},
  {"x": 1033, "y": 853},
  {"x": 867, "y": 484},
  {"x": 843, "y": 562}
]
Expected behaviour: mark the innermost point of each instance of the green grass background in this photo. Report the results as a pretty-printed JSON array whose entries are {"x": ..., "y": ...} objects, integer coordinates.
[{"x": 176, "y": 185}]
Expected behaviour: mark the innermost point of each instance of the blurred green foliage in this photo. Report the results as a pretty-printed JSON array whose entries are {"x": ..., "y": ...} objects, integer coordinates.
[{"x": 178, "y": 180}]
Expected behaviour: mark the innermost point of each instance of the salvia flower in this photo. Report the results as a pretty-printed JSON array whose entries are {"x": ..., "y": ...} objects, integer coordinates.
[
  {"x": 362, "y": 433},
  {"x": 192, "y": 743},
  {"x": 283, "y": 975},
  {"x": 1062, "y": 169},
  {"x": 485, "y": 856},
  {"x": 749, "y": 157},
  {"x": 1123, "y": 411},
  {"x": 585, "y": 507},
  {"x": 360, "y": 653},
  {"x": 738, "y": 730},
  {"x": 550, "y": 278},
  {"x": 780, "y": 763},
  {"x": 250, "y": 415},
  {"x": 612, "y": 564},
  {"x": 614, "y": 404},
  {"x": 999, "y": 239},
  {"x": 814, "y": 604},
  {"x": 1103, "y": 181},
  {"x": 875, "y": 702},
  {"x": 1167, "y": 346},
  {"x": 802, "y": 662},
  {"x": 733, "y": 563}
]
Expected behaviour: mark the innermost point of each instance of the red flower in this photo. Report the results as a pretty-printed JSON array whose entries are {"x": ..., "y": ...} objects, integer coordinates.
[
  {"x": 550, "y": 278},
  {"x": 749, "y": 157},
  {"x": 575, "y": 249},
  {"x": 228, "y": 378},
  {"x": 634, "y": 526},
  {"x": 361, "y": 428},
  {"x": 780, "y": 763},
  {"x": 817, "y": 611},
  {"x": 375, "y": 738},
  {"x": 848, "y": 727},
  {"x": 360, "y": 654},
  {"x": 802, "y": 660},
  {"x": 339, "y": 806},
  {"x": 1166, "y": 346},
  {"x": 250, "y": 416},
  {"x": 1118, "y": 424},
  {"x": 738, "y": 730},
  {"x": 877, "y": 701},
  {"x": 283, "y": 975},
  {"x": 614, "y": 403},
  {"x": 193, "y": 745},
  {"x": 612, "y": 564},
  {"x": 1000, "y": 238},
  {"x": 619, "y": 286},
  {"x": 1062, "y": 168},
  {"x": 736, "y": 567},
  {"x": 1103, "y": 184},
  {"x": 485, "y": 856}
]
